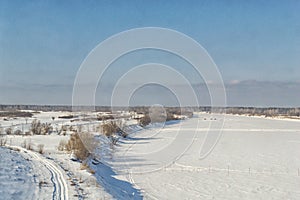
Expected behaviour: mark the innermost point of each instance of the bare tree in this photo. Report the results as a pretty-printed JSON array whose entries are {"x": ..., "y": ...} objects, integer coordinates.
[{"x": 36, "y": 127}]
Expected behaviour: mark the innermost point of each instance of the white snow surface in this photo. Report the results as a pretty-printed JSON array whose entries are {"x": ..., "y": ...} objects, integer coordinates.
[
  {"x": 255, "y": 158},
  {"x": 17, "y": 179}
]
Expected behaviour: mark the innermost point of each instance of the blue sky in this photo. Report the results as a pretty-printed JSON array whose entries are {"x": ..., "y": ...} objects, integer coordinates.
[{"x": 43, "y": 43}]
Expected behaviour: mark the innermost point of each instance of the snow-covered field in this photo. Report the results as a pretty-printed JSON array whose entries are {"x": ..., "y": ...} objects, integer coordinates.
[{"x": 255, "y": 158}]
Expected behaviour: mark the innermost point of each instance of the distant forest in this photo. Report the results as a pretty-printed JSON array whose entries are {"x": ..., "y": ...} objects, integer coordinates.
[{"x": 268, "y": 112}]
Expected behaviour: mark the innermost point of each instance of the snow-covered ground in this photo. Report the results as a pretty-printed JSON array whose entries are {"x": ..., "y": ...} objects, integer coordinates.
[
  {"x": 56, "y": 175},
  {"x": 17, "y": 179},
  {"x": 255, "y": 158}
]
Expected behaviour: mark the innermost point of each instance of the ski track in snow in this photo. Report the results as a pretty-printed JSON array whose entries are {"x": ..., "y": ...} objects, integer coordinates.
[{"x": 60, "y": 186}]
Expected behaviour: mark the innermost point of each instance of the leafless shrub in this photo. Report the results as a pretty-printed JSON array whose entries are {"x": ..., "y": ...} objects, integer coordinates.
[
  {"x": 36, "y": 127},
  {"x": 108, "y": 129},
  {"x": 79, "y": 129},
  {"x": 46, "y": 128},
  {"x": 41, "y": 148},
  {"x": 57, "y": 130},
  {"x": 156, "y": 115},
  {"x": 17, "y": 132},
  {"x": 1, "y": 130},
  {"x": 113, "y": 127},
  {"x": 24, "y": 144},
  {"x": 82, "y": 145},
  {"x": 72, "y": 128},
  {"x": 144, "y": 121},
  {"x": 91, "y": 171},
  {"x": 63, "y": 129},
  {"x": 90, "y": 142},
  {"x": 62, "y": 145},
  {"x": 84, "y": 166},
  {"x": 27, "y": 144},
  {"x": 8, "y": 131},
  {"x": 99, "y": 128},
  {"x": 3, "y": 141}
]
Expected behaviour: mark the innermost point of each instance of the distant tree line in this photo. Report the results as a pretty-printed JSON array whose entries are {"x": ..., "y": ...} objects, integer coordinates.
[
  {"x": 49, "y": 108},
  {"x": 188, "y": 111},
  {"x": 268, "y": 111},
  {"x": 253, "y": 111}
]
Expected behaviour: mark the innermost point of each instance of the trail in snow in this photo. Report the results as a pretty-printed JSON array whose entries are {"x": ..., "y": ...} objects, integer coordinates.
[{"x": 60, "y": 186}]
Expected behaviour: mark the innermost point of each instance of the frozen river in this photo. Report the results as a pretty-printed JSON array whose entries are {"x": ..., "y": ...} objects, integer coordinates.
[{"x": 255, "y": 158}]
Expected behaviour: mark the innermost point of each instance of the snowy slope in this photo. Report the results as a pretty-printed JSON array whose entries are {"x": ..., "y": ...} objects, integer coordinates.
[{"x": 17, "y": 179}]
